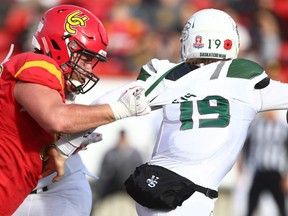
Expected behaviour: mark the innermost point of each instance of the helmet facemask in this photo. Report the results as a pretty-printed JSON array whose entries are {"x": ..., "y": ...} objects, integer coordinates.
[
  {"x": 75, "y": 72},
  {"x": 76, "y": 39}
]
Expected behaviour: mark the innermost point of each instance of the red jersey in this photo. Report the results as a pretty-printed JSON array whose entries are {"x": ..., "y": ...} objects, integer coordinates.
[{"x": 21, "y": 138}]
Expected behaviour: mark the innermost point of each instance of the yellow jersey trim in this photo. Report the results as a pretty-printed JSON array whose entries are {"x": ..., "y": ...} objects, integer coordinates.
[{"x": 43, "y": 64}]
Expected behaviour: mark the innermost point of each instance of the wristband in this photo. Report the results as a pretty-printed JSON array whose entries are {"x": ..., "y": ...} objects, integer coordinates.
[
  {"x": 119, "y": 110},
  {"x": 64, "y": 149},
  {"x": 63, "y": 153},
  {"x": 44, "y": 152}
]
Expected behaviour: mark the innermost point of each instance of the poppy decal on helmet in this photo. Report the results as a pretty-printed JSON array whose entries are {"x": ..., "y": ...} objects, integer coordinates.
[
  {"x": 73, "y": 20},
  {"x": 198, "y": 42},
  {"x": 227, "y": 44}
]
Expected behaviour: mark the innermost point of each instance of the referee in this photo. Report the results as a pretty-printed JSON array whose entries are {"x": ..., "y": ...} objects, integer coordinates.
[{"x": 265, "y": 151}]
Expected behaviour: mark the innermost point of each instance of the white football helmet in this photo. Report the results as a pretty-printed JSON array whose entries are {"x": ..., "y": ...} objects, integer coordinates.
[{"x": 210, "y": 33}]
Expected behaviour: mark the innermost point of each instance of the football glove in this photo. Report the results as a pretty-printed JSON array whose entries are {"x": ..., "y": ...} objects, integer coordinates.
[
  {"x": 132, "y": 103},
  {"x": 69, "y": 144}
]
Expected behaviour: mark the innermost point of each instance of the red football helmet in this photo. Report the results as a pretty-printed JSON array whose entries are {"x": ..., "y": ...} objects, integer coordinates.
[{"x": 66, "y": 29}]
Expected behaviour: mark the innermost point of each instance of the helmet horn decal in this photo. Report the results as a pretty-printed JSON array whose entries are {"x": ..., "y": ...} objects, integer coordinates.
[{"x": 73, "y": 20}]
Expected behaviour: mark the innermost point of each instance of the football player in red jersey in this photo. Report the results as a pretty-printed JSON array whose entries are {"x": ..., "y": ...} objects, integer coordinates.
[{"x": 69, "y": 42}]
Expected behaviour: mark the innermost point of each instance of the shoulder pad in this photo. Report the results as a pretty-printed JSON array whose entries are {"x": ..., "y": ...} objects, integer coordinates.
[
  {"x": 245, "y": 69},
  {"x": 153, "y": 67}
]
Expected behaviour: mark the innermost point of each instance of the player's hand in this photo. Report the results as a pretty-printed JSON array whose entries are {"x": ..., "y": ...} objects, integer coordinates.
[
  {"x": 55, "y": 162},
  {"x": 132, "y": 103},
  {"x": 87, "y": 140}
]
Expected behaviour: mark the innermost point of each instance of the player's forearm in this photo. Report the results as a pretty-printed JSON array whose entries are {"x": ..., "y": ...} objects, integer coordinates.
[
  {"x": 71, "y": 119},
  {"x": 76, "y": 118}
]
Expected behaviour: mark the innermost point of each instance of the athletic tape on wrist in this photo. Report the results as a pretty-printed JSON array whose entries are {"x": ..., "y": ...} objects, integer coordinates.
[{"x": 65, "y": 150}]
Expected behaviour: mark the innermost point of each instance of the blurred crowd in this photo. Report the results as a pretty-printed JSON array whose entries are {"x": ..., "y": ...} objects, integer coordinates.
[{"x": 141, "y": 29}]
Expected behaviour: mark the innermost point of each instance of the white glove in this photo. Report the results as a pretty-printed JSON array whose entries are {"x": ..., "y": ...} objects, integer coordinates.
[
  {"x": 132, "y": 103},
  {"x": 69, "y": 144}
]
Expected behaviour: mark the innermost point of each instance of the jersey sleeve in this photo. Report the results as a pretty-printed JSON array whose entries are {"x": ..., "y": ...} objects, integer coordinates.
[
  {"x": 153, "y": 74},
  {"x": 150, "y": 78},
  {"x": 114, "y": 95},
  {"x": 267, "y": 94},
  {"x": 246, "y": 78},
  {"x": 274, "y": 96},
  {"x": 41, "y": 71}
]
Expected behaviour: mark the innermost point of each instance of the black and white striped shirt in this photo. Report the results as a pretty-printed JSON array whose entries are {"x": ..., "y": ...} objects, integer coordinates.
[{"x": 267, "y": 143}]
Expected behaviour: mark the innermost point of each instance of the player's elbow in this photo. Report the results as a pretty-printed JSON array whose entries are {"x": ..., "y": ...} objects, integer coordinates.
[
  {"x": 57, "y": 122},
  {"x": 54, "y": 126}
]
